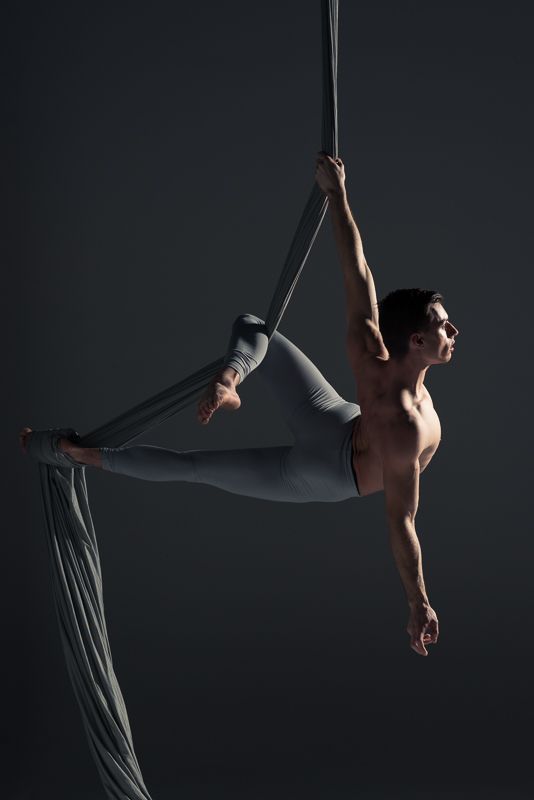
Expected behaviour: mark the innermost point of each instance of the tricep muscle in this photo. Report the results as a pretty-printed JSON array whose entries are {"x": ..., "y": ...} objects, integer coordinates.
[{"x": 364, "y": 343}]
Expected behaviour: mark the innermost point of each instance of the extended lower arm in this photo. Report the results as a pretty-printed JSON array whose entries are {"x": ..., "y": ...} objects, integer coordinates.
[
  {"x": 407, "y": 554},
  {"x": 350, "y": 249}
]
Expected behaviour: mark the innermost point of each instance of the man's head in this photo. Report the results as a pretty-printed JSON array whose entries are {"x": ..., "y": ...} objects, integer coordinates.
[{"x": 413, "y": 321}]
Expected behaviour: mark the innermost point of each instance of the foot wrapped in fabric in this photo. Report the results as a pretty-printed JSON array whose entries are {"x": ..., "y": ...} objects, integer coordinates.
[{"x": 44, "y": 446}]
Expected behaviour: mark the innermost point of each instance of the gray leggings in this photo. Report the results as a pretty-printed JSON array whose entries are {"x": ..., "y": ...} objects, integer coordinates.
[{"x": 316, "y": 468}]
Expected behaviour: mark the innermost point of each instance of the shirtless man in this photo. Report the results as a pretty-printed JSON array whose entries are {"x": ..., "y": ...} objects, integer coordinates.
[
  {"x": 399, "y": 430},
  {"x": 393, "y": 438}
]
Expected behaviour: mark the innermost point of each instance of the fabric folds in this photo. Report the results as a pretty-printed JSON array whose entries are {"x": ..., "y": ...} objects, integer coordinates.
[{"x": 75, "y": 563}]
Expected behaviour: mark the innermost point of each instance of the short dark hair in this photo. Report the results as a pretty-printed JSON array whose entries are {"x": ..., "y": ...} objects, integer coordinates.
[{"x": 403, "y": 312}]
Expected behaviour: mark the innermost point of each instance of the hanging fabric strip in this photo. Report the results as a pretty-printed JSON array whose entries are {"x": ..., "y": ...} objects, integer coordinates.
[{"x": 74, "y": 557}]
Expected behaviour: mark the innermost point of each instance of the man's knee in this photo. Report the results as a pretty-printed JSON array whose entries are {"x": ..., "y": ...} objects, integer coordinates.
[{"x": 247, "y": 319}]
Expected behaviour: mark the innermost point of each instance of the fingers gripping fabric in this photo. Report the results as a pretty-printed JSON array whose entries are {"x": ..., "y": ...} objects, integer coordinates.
[{"x": 74, "y": 557}]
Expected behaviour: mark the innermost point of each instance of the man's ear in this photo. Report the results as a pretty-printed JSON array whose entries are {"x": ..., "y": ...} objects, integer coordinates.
[{"x": 417, "y": 339}]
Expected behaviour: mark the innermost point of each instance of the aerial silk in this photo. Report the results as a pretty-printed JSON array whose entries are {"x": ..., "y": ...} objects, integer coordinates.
[{"x": 75, "y": 563}]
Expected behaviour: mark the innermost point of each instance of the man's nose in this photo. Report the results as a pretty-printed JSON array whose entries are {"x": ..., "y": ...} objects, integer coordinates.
[{"x": 454, "y": 331}]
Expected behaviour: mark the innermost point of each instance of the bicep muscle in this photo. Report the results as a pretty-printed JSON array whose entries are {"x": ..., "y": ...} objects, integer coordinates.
[{"x": 401, "y": 473}]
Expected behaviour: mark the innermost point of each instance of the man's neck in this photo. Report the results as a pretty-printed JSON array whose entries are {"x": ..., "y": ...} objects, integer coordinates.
[{"x": 409, "y": 375}]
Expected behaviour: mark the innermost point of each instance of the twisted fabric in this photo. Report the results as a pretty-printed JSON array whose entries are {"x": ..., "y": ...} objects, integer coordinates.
[{"x": 75, "y": 563}]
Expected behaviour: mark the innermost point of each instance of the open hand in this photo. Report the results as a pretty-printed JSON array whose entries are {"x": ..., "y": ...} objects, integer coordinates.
[
  {"x": 423, "y": 628},
  {"x": 330, "y": 174}
]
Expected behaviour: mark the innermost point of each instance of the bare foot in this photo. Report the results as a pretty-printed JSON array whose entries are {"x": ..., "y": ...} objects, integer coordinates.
[
  {"x": 23, "y": 435},
  {"x": 90, "y": 456},
  {"x": 220, "y": 393}
]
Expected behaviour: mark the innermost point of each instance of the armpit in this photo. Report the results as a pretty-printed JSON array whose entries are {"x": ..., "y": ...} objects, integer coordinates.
[{"x": 374, "y": 343}]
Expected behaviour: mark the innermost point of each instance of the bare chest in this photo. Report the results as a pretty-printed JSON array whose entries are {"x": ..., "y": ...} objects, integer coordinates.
[
  {"x": 430, "y": 427},
  {"x": 369, "y": 432}
]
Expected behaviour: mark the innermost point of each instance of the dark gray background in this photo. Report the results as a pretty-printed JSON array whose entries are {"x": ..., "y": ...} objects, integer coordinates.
[{"x": 161, "y": 156}]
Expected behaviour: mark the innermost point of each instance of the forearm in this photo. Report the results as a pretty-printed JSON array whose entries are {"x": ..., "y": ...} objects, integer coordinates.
[
  {"x": 408, "y": 558},
  {"x": 356, "y": 274}
]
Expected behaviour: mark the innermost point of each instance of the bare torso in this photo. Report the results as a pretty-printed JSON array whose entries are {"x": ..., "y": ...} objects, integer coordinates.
[{"x": 381, "y": 404}]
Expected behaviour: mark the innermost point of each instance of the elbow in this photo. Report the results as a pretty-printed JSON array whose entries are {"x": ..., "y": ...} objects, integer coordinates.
[{"x": 401, "y": 524}]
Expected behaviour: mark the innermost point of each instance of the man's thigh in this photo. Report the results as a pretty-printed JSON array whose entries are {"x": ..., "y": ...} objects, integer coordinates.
[{"x": 301, "y": 389}]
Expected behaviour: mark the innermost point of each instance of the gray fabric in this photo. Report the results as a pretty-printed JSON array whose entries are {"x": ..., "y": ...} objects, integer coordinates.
[
  {"x": 316, "y": 468},
  {"x": 42, "y": 446},
  {"x": 247, "y": 346},
  {"x": 75, "y": 562}
]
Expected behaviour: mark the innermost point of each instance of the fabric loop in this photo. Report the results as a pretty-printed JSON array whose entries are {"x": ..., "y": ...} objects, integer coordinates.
[
  {"x": 75, "y": 563},
  {"x": 43, "y": 446}
]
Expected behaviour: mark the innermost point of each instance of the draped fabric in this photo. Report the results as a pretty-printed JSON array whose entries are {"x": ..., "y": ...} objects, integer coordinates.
[{"x": 75, "y": 563}]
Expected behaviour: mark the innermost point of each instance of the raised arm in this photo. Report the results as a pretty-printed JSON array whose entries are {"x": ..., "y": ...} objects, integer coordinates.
[
  {"x": 363, "y": 333},
  {"x": 400, "y": 459}
]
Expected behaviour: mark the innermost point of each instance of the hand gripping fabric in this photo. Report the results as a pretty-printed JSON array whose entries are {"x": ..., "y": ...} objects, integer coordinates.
[{"x": 75, "y": 563}]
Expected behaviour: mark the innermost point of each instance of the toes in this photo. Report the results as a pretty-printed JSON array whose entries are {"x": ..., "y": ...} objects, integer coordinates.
[
  {"x": 204, "y": 413},
  {"x": 23, "y": 435}
]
